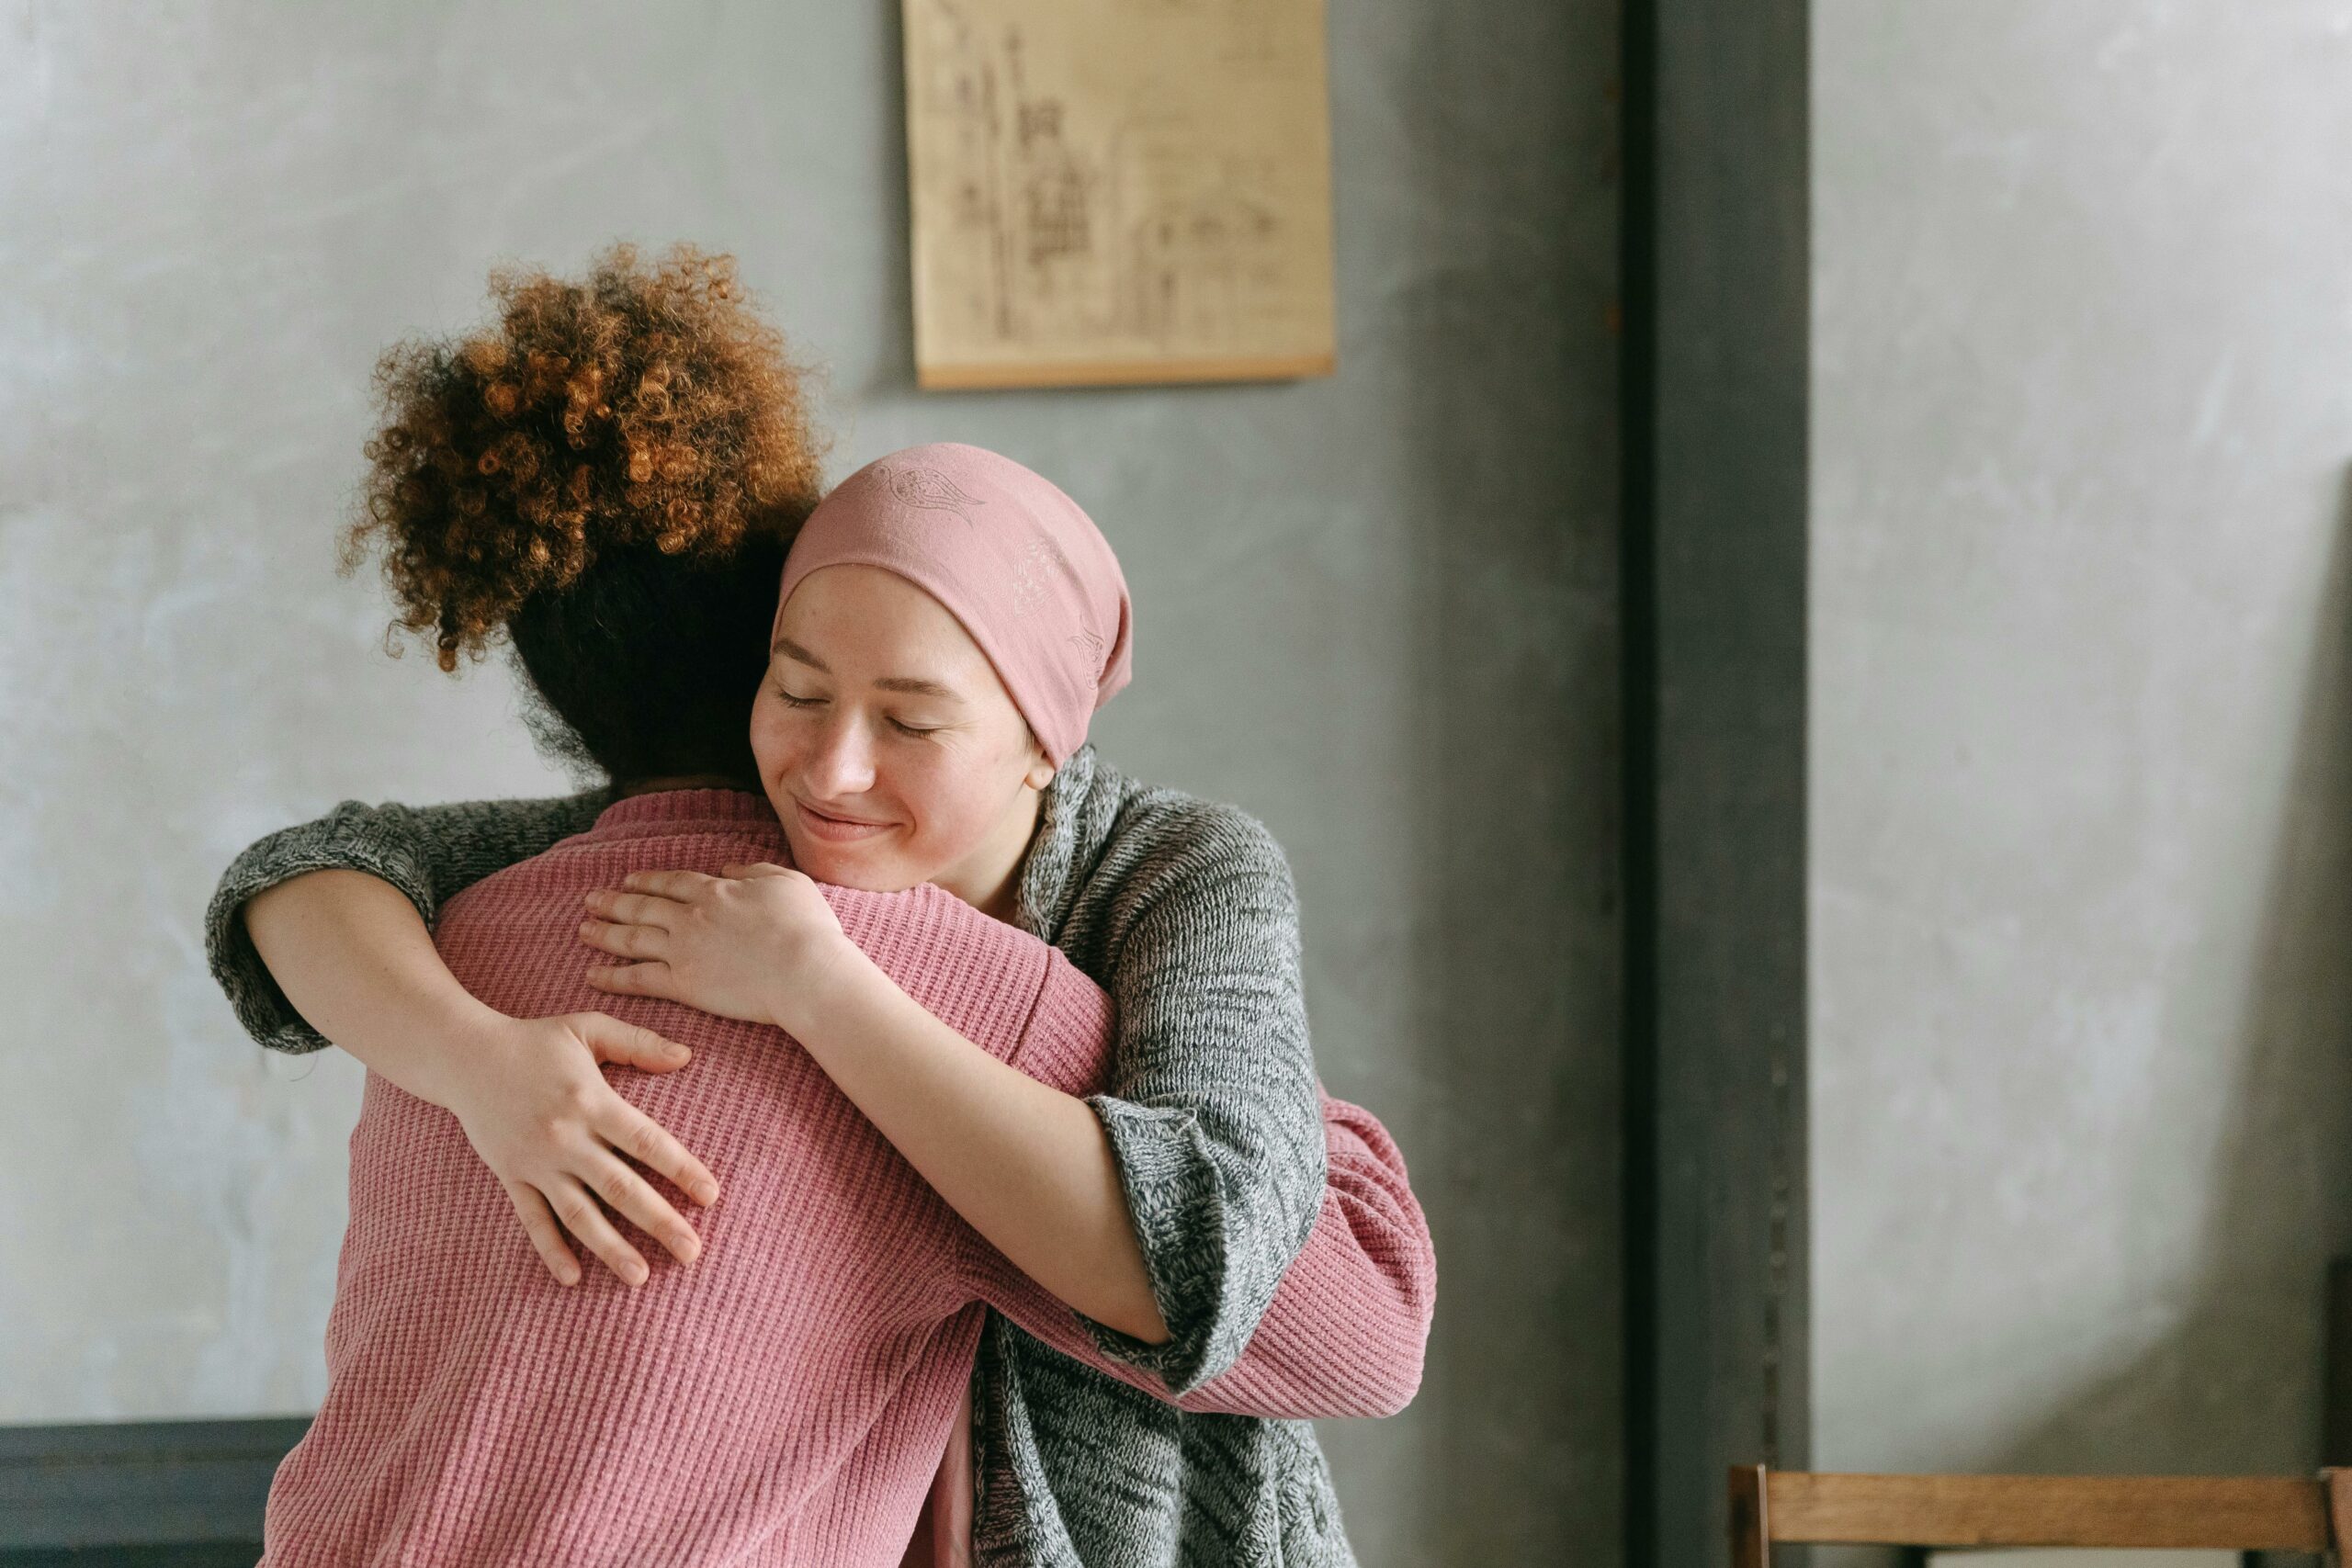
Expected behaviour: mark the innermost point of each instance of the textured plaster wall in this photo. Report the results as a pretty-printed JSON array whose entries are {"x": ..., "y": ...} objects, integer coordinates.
[
  {"x": 2081, "y": 758},
  {"x": 1375, "y": 610}
]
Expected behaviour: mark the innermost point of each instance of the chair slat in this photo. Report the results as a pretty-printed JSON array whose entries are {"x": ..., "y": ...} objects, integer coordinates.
[{"x": 2234, "y": 1513}]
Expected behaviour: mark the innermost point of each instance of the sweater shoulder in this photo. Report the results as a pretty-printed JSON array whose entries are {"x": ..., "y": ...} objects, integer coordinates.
[
  {"x": 1184, "y": 837},
  {"x": 1158, "y": 845},
  {"x": 552, "y": 878},
  {"x": 1172, "y": 823}
]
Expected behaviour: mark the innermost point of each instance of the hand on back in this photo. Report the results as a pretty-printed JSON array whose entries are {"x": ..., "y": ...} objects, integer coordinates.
[{"x": 560, "y": 1139}]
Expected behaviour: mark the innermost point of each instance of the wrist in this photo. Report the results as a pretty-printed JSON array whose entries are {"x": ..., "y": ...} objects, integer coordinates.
[
  {"x": 442, "y": 1046},
  {"x": 839, "y": 979}
]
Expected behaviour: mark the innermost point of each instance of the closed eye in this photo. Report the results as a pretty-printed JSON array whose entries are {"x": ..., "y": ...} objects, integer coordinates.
[{"x": 788, "y": 700}]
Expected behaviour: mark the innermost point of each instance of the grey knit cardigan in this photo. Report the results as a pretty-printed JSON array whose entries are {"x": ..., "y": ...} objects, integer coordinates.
[{"x": 1185, "y": 910}]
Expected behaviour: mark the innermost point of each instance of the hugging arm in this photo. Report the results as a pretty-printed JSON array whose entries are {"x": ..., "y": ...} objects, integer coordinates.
[
  {"x": 1212, "y": 1105},
  {"x": 321, "y": 934},
  {"x": 1350, "y": 1313},
  {"x": 428, "y": 853},
  {"x": 1346, "y": 1331}
]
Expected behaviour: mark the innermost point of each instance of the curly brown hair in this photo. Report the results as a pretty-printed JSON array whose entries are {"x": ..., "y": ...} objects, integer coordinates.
[{"x": 646, "y": 406}]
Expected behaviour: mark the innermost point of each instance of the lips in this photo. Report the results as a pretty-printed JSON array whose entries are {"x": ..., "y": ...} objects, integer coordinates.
[{"x": 836, "y": 829}]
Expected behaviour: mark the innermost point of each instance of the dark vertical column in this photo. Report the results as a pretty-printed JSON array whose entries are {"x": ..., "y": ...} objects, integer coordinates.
[
  {"x": 2335, "y": 1373},
  {"x": 1716, "y": 270}
]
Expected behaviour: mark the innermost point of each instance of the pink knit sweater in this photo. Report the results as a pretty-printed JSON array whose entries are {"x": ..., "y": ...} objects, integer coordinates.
[{"x": 788, "y": 1398}]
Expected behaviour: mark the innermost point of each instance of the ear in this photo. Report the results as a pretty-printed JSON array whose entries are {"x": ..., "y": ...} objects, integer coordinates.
[{"x": 1041, "y": 767}]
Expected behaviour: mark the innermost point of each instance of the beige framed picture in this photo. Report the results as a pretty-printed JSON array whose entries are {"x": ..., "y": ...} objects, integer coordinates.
[{"x": 1109, "y": 191}]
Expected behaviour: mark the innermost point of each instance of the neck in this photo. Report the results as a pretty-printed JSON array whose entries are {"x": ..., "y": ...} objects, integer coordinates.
[
  {"x": 989, "y": 878},
  {"x": 687, "y": 781}
]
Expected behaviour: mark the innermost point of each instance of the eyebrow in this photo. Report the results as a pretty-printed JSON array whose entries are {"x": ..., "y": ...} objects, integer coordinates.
[{"x": 912, "y": 684}]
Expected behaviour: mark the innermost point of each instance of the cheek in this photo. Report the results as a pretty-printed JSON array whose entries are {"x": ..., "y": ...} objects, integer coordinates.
[
  {"x": 923, "y": 780},
  {"x": 953, "y": 797},
  {"x": 772, "y": 736}
]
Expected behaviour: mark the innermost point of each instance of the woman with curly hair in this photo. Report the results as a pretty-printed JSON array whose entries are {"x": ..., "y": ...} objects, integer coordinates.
[{"x": 612, "y": 478}]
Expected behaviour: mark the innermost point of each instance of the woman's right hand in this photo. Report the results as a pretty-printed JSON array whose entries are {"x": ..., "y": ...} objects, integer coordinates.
[
  {"x": 537, "y": 1111},
  {"x": 355, "y": 958}
]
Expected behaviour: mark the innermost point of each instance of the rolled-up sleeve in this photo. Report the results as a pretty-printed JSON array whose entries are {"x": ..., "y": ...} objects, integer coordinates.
[
  {"x": 1213, "y": 1111},
  {"x": 429, "y": 853}
]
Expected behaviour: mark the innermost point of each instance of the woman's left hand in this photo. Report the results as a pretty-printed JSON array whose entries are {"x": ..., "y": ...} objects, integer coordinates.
[{"x": 755, "y": 942}]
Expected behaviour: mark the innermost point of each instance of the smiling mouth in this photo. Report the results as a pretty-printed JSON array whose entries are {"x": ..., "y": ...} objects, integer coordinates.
[{"x": 837, "y": 829}]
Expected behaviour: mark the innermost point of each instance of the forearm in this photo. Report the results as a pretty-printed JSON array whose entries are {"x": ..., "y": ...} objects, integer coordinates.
[
  {"x": 1027, "y": 1166},
  {"x": 427, "y": 853},
  {"x": 357, "y": 961},
  {"x": 1348, "y": 1327}
]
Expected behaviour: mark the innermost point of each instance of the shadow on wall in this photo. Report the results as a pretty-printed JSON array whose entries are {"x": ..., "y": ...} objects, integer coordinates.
[{"x": 2234, "y": 1387}]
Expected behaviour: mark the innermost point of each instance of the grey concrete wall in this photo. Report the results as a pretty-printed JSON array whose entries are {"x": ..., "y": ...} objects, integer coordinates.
[
  {"x": 2082, "y": 764},
  {"x": 1376, "y": 610}
]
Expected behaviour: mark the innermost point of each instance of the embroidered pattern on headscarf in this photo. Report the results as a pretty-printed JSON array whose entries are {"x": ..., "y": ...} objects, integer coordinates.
[{"x": 928, "y": 490}]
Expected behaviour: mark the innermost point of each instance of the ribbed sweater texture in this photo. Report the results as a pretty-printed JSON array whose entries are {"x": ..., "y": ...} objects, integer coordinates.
[
  {"x": 787, "y": 1398},
  {"x": 784, "y": 1399}
]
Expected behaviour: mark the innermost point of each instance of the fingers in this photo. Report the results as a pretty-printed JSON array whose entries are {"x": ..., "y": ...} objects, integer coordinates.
[
  {"x": 578, "y": 1211},
  {"x": 678, "y": 885},
  {"x": 591, "y": 1181},
  {"x": 538, "y": 1224},
  {"x": 625, "y": 1044},
  {"x": 629, "y": 941},
  {"x": 739, "y": 872},
  {"x": 645, "y": 1141},
  {"x": 631, "y": 1196},
  {"x": 633, "y": 979},
  {"x": 631, "y": 909}
]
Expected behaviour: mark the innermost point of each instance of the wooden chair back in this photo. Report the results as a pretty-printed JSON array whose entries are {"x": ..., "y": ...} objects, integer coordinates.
[{"x": 2237, "y": 1513}]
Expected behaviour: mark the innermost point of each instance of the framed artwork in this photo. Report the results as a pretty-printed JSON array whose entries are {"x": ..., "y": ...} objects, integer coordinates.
[{"x": 1108, "y": 191}]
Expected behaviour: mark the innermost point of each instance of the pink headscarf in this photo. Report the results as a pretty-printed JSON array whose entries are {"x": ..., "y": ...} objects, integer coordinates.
[{"x": 1013, "y": 558}]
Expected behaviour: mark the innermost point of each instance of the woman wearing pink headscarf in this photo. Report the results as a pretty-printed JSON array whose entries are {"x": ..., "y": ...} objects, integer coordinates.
[
  {"x": 979, "y": 604},
  {"x": 947, "y": 623}
]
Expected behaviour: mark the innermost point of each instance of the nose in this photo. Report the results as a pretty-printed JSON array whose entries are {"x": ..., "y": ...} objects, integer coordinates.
[{"x": 842, "y": 764}]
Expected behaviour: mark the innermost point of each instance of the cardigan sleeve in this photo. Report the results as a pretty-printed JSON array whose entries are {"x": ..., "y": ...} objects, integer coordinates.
[
  {"x": 1212, "y": 1106},
  {"x": 428, "y": 852},
  {"x": 1348, "y": 1326}
]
